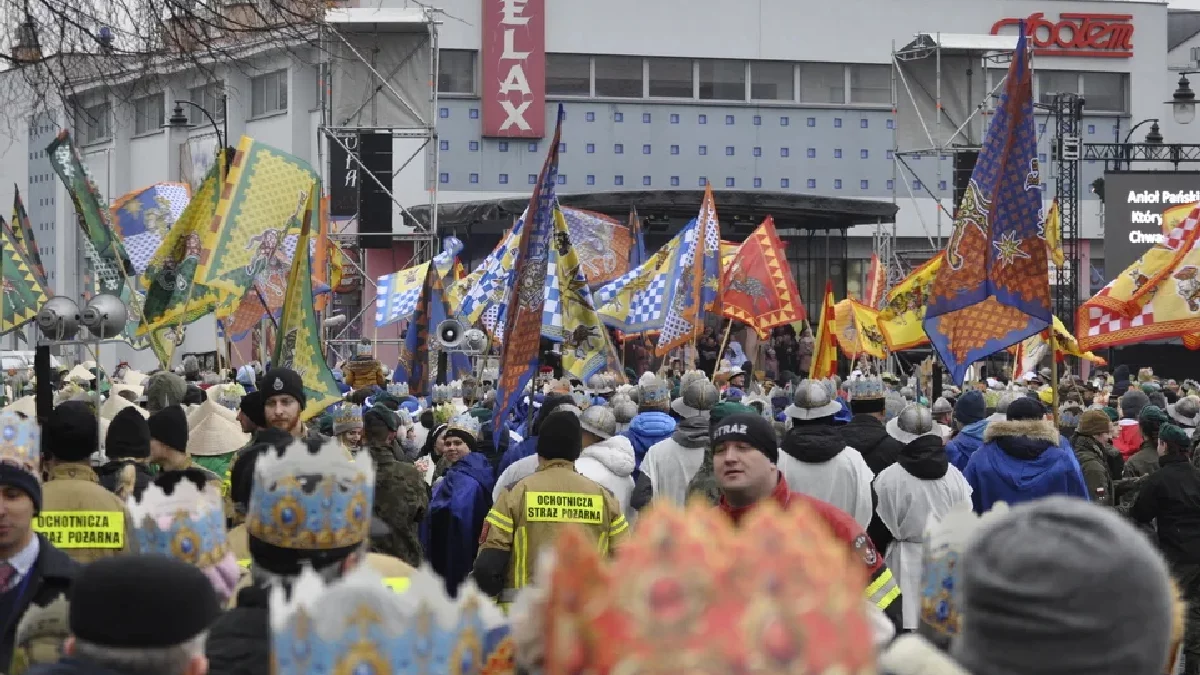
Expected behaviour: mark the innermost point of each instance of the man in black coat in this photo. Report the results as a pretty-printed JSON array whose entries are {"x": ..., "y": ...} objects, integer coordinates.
[{"x": 865, "y": 432}]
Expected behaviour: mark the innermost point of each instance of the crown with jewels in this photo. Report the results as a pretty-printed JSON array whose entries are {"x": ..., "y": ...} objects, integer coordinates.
[
  {"x": 347, "y": 417},
  {"x": 456, "y": 390},
  {"x": 653, "y": 390},
  {"x": 398, "y": 389},
  {"x": 466, "y": 423},
  {"x": 864, "y": 388},
  {"x": 442, "y": 393},
  {"x": 20, "y": 443},
  {"x": 674, "y": 599},
  {"x": 311, "y": 499},
  {"x": 357, "y": 625},
  {"x": 188, "y": 524}
]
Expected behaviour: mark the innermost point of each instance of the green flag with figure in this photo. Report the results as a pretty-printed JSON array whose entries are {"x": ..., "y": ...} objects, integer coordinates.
[{"x": 23, "y": 294}]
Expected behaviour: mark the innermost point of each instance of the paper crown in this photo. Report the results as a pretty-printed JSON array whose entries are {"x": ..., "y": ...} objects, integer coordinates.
[
  {"x": 188, "y": 524},
  {"x": 398, "y": 389},
  {"x": 364, "y": 348},
  {"x": 20, "y": 443},
  {"x": 357, "y": 625},
  {"x": 653, "y": 390},
  {"x": 676, "y": 598},
  {"x": 865, "y": 388},
  {"x": 466, "y": 423},
  {"x": 311, "y": 500},
  {"x": 455, "y": 389},
  {"x": 347, "y": 417},
  {"x": 442, "y": 393},
  {"x": 229, "y": 394}
]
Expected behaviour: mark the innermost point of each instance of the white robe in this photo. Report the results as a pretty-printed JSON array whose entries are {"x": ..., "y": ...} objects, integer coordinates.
[
  {"x": 670, "y": 467},
  {"x": 906, "y": 505},
  {"x": 844, "y": 481}
]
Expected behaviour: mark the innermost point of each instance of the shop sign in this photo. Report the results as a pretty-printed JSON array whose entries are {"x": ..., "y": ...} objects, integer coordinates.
[
  {"x": 513, "y": 68},
  {"x": 1076, "y": 34}
]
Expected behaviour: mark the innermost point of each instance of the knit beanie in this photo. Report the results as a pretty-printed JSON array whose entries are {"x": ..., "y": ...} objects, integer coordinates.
[
  {"x": 169, "y": 426},
  {"x": 1030, "y": 602},
  {"x": 970, "y": 408},
  {"x": 163, "y": 390},
  {"x": 128, "y": 436},
  {"x": 1150, "y": 419},
  {"x": 1094, "y": 423},
  {"x": 1111, "y": 412},
  {"x": 279, "y": 381},
  {"x": 251, "y": 406},
  {"x": 748, "y": 428},
  {"x": 561, "y": 436},
  {"x": 71, "y": 433},
  {"x": 722, "y": 410},
  {"x": 1157, "y": 398},
  {"x": 1024, "y": 408},
  {"x": 1132, "y": 403},
  {"x": 1175, "y": 438}
]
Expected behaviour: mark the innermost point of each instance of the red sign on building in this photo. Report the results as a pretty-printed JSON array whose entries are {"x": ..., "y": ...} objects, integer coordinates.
[
  {"x": 1076, "y": 34},
  {"x": 513, "y": 79}
]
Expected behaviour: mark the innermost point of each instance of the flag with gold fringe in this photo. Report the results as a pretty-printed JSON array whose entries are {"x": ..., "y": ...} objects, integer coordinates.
[
  {"x": 758, "y": 288},
  {"x": 857, "y": 330},
  {"x": 1052, "y": 227},
  {"x": 824, "y": 357},
  {"x": 24, "y": 294},
  {"x": 900, "y": 320},
  {"x": 876, "y": 283}
]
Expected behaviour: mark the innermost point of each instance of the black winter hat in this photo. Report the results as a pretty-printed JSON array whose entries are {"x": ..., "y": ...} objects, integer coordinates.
[
  {"x": 141, "y": 602},
  {"x": 128, "y": 436},
  {"x": 283, "y": 381},
  {"x": 252, "y": 407},
  {"x": 71, "y": 433},
  {"x": 561, "y": 436},
  {"x": 169, "y": 426},
  {"x": 748, "y": 428},
  {"x": 1024, "y": 408}
]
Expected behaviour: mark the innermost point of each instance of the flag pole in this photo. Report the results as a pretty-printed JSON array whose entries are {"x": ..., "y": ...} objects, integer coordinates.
[
  {"x": 724, "y": 344},
  {"x": 1054, "y": 372}
]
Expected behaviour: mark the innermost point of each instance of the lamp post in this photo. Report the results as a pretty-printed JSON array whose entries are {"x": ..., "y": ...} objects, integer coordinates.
[
  {"x": 179, "y": 120},
  {"x": 1183, "y": 101}
]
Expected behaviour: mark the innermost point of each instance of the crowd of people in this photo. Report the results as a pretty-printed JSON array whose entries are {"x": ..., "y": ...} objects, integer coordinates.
[{"x": 718, "y": 522}]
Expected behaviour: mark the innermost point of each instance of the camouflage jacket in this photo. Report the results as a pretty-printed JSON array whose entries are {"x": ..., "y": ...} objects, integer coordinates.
[
  {"x": 704, "y": 484},
  {"x": 401, "y": 499}
]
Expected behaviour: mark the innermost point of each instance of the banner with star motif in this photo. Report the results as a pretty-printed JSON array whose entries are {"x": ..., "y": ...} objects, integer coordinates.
[
  {"x": 993, "y": 289},
  {"x": 758, "y": 288}
]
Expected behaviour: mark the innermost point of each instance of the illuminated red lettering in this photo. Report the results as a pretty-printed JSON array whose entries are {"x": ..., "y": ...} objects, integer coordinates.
[{"x": 1076, "y": 34}]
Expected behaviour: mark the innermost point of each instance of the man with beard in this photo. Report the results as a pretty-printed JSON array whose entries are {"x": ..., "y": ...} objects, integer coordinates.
[{"x": 284, "y": 401}]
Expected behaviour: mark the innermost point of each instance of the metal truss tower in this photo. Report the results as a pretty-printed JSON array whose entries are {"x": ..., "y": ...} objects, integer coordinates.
[{"x": 1067, "y": 111}]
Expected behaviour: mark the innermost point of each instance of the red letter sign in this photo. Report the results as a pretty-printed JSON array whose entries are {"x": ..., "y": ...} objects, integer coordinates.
[
  {"x": 513, "y": 79},
  {"x": 1077, "y": 34}
]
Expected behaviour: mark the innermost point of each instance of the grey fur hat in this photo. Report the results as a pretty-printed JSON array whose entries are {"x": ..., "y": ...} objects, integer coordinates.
[{"x": 164, "y": 390}]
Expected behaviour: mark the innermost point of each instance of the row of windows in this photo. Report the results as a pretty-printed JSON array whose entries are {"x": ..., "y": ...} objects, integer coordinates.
[
  {"x": 1102, "y": 92},
  {"x": 674, "y": 149},
  {"x": 730, "y": 182},
  {"x": 693, "y": 79}
]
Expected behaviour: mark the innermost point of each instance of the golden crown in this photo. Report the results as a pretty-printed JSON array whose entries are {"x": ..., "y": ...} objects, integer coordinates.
[
  {"x": 347, "y": 418},
  {"x": 20, "y": 443},
  {"x": 466, "y": 423},
  {"x": 188, "y": 524}
]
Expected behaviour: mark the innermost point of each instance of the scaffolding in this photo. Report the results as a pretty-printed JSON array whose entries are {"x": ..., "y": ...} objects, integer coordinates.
[{"x": 379, "y": 75}]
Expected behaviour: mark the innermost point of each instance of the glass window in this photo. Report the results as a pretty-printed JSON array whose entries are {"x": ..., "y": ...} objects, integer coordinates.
[
  {"x": 1106, "y": 91},
  {"x": 1051, "y": 82},
  {"x": 208, "y": 97},
  {"x": 456, "y": 71},
  {"x": 268, "y": 93},
  {"x": 671, "y": 78},
  {"x": 148, "y": 113},
  {"x": 96, "y": 123},
  {"x": 870, "y": 83},
  {"x": 772, "y": 81},
  {"x": 568, "y": 75},
  {"x": 722, "y": 80},
  {"x": 619, "y": 76},
  {"x": 822, "y": 83}
]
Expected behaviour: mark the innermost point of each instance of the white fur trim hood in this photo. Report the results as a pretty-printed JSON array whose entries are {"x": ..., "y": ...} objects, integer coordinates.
[{"x": 616, "y": 454}]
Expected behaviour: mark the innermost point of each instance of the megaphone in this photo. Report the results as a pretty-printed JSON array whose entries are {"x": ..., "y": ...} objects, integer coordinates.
[
  {"x": 335, "y": 320},
  {"x": 450, "y": 333},
  {"x": 475, "y": 341}
]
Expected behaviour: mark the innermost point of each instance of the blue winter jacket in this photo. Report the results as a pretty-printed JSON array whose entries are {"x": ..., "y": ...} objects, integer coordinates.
[
  {"x": 1022, "y": 461},
  {"x": 961, "y": 447},
  {"x": 646, "y": 429}
]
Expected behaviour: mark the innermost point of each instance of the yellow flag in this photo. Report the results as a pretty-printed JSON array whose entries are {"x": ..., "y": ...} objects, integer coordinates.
[
  {"x": 903, "y": 313},
  {"x": 824, "y": 359},
  {"x": 1052, "y": 229},
  {"x": 857, "y": 330}
]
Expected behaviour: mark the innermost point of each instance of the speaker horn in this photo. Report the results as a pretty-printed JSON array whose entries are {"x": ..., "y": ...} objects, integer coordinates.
[{"x": 450, "y": 333}]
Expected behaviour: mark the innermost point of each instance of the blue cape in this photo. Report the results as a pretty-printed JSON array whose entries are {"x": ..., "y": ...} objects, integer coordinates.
[{"x": 450, "y": 530}]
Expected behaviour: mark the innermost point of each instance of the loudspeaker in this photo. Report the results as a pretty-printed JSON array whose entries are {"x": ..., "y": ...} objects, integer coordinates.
[
  {"x": 964, "y": 166},
  {"x": 450, "y": 333},
  {"x": 374, "y": 203}
]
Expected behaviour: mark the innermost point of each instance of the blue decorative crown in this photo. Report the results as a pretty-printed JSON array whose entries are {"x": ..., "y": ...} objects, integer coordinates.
[
  {"x": 654, "y": 390},
  {"x": 311, "y": 500},
  {"x": 347, "y": 417},
  {"x": 20, "y": 443},
  {"x": 188, "y": 524},
  {"x": 865, "y": 388},
  {"x": 465, "y": 423},
  {"x": 358, "y": 626},
  {"x": 398, "y": 389}
]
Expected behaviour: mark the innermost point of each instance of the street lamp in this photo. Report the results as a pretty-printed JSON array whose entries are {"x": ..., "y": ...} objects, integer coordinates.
[
  {"x": 1153, "y": 136},
  {"x": 179, "y": 120},
  {"x": 1183, "y": 101}
]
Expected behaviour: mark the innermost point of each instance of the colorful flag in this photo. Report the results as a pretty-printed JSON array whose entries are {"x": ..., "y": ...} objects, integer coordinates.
[
  {"x": 1172, "y": 217},
  {"x": 23, "y": 237},
  {"x": 337, "y": 266},
  {"x": 857, "y": 330},
  {"x": 876, "y": 283},
  {"x": 396, "y": 294},
  {"x": 699, "y": 280},
  {"x": 299, "y": 342},
  {"x": 322, "y": 268},
  {"x": 993, "y": 289},
  {"x": 824, "y": 358},
  {"x": 636, "y": 302},
  {"x": 444, "y": 261},
  {"x": 601, "y": 243},
  {"x": 262, "y": 203},
  {"x": 758, "y": 288},
  {"x": 23, "y": 295},
  {"x": 902, "y": 317},
  {"x": 102, "y": 247},
  {"x": 414, "y": 365},
  {"x": 1052, "y": 228},
  {"x": 143, "y": 217},
  {"x": 519, "y": 355},
  {"x": 491, "y": 283},
  {"x": 637, "y": 245}
]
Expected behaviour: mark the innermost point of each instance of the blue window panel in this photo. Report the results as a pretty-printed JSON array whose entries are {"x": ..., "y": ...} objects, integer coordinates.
[
  {"x": 591, "y": 148},
  {"x": 812, "y": 122},
  {"x": 916, "y": 158},
  {"x": 757, "y": 182},
  {"x": 618, "y": 117},
  {"x": 1042, "y": 128},
  {"x": 916, "y": 185},
  {"x": 729, "y": 119},
  {"x": 645, "y": 118},
  {"x": 674, "y": 118},
  {"x": 941, "y": 185},
  {"x": 504, "y": 179},
  {"x": 645, "y": 180},
  {"x": 837, "y": 153},
  {"x": 758, "y": 120},
  {"x": 473, "y": 146},
  {"x": 618, "y": 180},
  {"x": 890, "y": 184},
  {"x": 618, "y": 148},
  {"x": 562, "y": 179},
  {"x": 704, "y": 149},
  {"x": 785, "y": 183},
  {"x": 703, "y": 181},
  {"x": 811, "y": 153},
  {"x": 757, "y": 152},
  {"x": 562, "y": 147},
  {"x": 674, "y": 181},
  {"x": 837, "y": 123},
  {"x": 785, "y": 152},
  {"x": 863, "y": 185},
  {"x": 646, "y": 149},
  {"x": 1091, "y": 128},
  {"x": 674, "y": 149},
  {"x": 784, "y": 120},
  {"x": 890, "y": 154},
  {"x": 837, "y": 183},
  {"x": 729, "y": 151},
  {"x": 1041, "y": 156},
  {"x": 591, "y": 180},
  {"x": 812, "y": 183},
  {"x": 503, "y": 146},
  {"x": 944, "y": 157},
  {"x": 444, "y": 113},
  {"x": 729, "y": 182},
  {"x": 533, "y": 146},
  {"x": 532, "y": 179},
  {"x": 473, "y": 113},
  {"x": 444, "y": 145},
  {"x": 702, "y": 119},
  {"x": 443, "y": 178},
  {"x": 473, "y": 178},
  {"x": 891, "y": 124},
  {"x": 864, "y": 154},
  {"x": 864, "y": 123},
  {"x": 591, "y": 117}
]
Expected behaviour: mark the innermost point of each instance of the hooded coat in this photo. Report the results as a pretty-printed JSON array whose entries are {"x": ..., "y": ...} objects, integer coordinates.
[
  {"x": 817, "y": 462},
  {"x": 867, "y": 435},
  {"x": 962, "y": 446},
  {"x": 670, "y": 464},
  {"x": 1021, "y": 461},
  {"x": 1093, "y": 462},
  {"x": 450, "y": 530},
  {"x": 646, "y": 429}
]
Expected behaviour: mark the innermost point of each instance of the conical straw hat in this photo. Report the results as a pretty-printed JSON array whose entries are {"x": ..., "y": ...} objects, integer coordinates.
[
  {"x": 26, "y": 405},
  {"x": 215, "y": 435},
  {"x": 198, "y": 413}
]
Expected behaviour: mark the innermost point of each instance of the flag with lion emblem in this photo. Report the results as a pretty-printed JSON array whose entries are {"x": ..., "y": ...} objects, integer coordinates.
[{"x": 758, "y": 288}]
